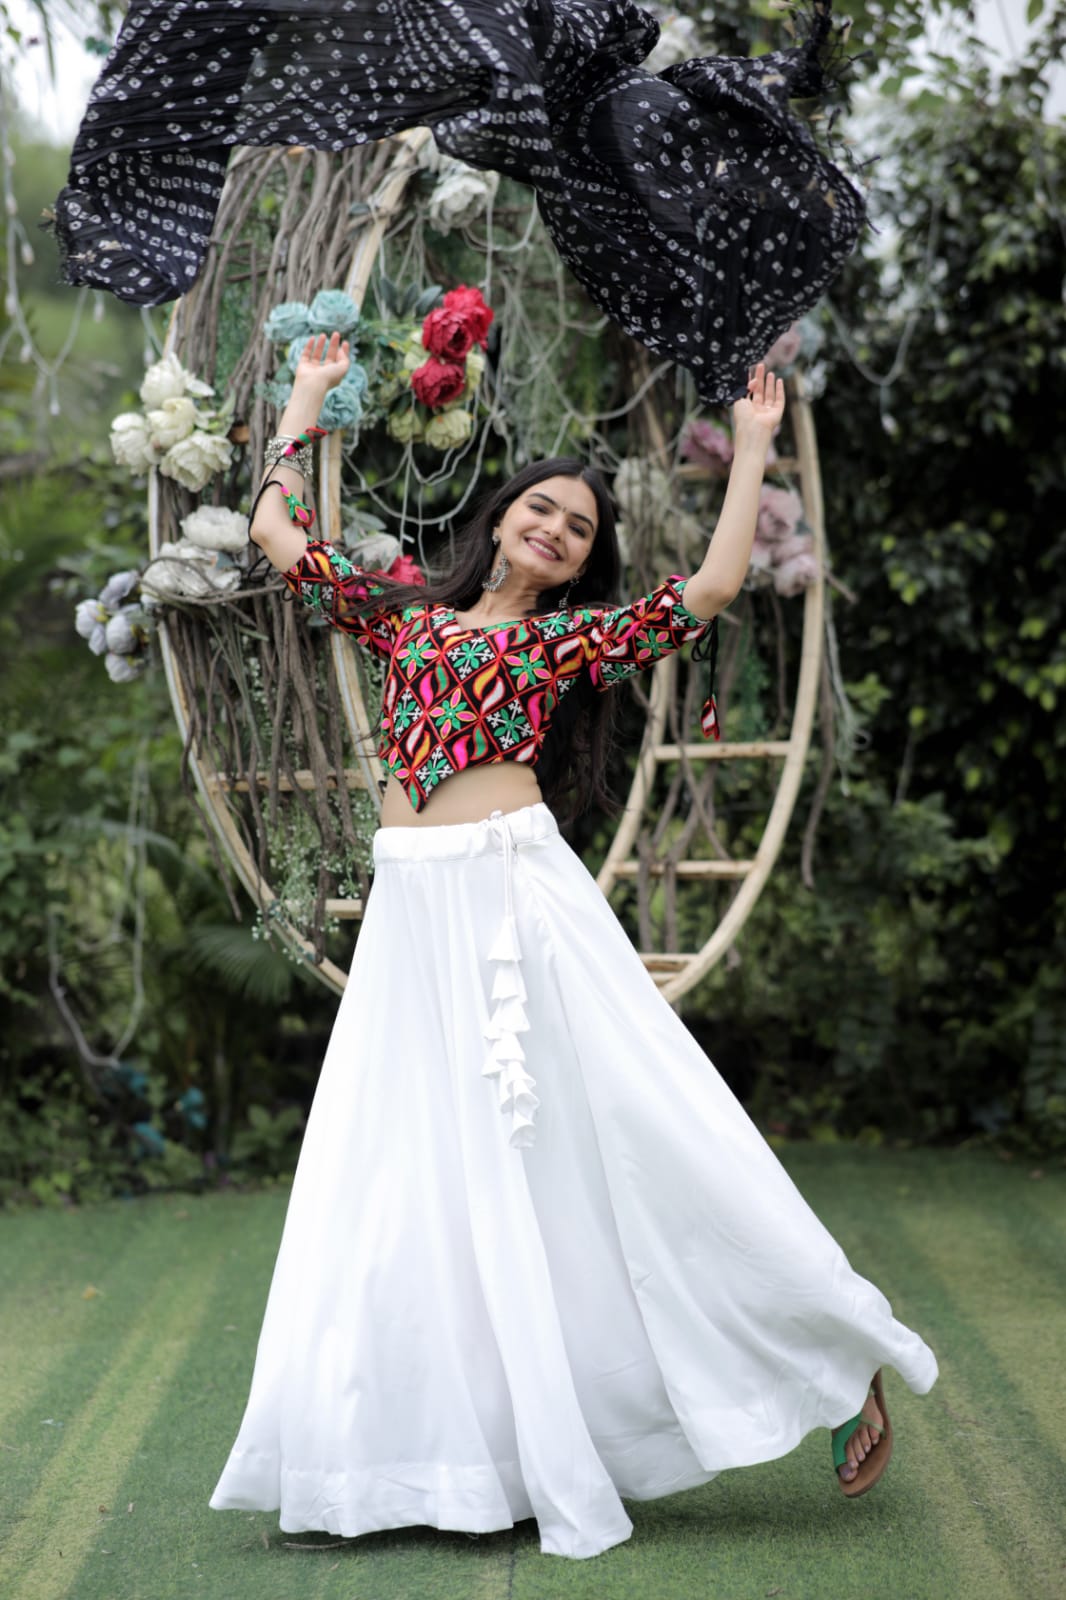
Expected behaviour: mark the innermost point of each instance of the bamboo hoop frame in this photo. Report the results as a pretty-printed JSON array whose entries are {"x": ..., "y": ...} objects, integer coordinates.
[
  {"x": 212, "y": 786},
  {"x": 677, "y": 973}
]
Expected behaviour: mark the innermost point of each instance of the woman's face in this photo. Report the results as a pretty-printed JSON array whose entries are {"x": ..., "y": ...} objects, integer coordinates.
[{"x": 547, "y": 533}]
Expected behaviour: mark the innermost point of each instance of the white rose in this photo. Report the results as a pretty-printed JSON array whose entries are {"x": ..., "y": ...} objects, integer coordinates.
[
  {"x": 184, "y": 571},
  {"x": 131, "y": 444},
  {"x": 461, "y": 196},
  {"x": 168, "y": 379},
  {"x": 215, "y": 528},
  {"x": 641, "y": 489},
  {"x": 175, "y": 419},
  {"x": 375, "y": 551},
  {"x": 192, "y": 461}
]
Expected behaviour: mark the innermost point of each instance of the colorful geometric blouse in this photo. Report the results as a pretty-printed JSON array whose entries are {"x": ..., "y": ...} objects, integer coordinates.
[{"x": 457, "y": 696}]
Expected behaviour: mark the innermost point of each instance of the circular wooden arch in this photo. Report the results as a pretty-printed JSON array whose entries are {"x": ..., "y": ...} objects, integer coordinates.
[{"x": 674, "y": 972}]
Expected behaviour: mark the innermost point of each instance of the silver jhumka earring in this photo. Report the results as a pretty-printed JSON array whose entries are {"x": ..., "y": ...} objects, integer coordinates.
[{"x": 497, "y": 578}]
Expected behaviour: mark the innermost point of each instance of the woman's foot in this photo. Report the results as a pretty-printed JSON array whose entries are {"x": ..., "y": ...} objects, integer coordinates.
[{"x": 863, "y": 1440}]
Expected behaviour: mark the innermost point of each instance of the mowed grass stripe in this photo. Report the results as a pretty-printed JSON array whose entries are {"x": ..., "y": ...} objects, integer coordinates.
[
  {"x": 971, "y": 1420},
  {"x": 59, "y": 1344},
  {"x": 49, "y": 1261},
  {"x": 244, "y": 1554},
  {"x": 61, "y": 1519}
]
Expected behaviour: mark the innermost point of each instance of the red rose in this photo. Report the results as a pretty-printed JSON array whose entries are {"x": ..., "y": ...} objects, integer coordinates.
[
  {"x": 447, "y": 333},
  {"x": 469, "y": 305},
  {"x": 404, "y": 570},
  {"x": 437, "y": 382}
]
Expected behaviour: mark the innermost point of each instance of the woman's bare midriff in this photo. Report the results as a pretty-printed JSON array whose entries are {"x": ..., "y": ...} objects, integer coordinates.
[{"x": 468, "y": 796}]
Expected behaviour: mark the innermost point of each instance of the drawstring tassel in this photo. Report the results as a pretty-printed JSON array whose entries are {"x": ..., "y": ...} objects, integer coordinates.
[
  {"x": 706, "y": 649},
  {"x": 505, "y": 1059}
]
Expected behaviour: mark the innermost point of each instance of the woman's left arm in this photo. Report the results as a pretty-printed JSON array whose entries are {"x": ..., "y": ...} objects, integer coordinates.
[{"x": 718, "y": 579}]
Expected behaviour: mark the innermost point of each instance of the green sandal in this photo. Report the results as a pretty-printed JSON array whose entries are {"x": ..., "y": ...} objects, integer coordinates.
[{"x": 876, "y": 1460}]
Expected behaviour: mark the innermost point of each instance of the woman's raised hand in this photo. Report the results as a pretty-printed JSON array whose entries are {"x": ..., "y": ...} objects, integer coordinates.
[
  {"x": 321, "y": 364},
  {"x": 760, "y": 414}
]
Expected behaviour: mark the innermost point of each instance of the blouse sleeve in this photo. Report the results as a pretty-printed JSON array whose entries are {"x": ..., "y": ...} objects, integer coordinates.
[
  {"x": 633, "y": 637},
  {"x": 335, "y": 587}
]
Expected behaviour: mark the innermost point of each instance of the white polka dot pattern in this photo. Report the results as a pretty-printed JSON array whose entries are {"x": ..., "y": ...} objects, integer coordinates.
[{"x": 694, "y": 208}]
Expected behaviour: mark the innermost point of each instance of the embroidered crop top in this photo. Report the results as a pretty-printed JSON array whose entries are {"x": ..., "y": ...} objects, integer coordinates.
[{"x": 456, "y": 696}]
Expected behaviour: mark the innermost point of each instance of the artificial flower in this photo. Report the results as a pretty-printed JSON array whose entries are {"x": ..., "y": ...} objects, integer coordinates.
[
  {"x": 780, "y": 511},
  {"x": 791, "y": 577},
  {"x": 215, "y": 528},
  {"x": 183, "y": 571},
  {"x": 785, "y": 350},
  {"x": 167, "y": 379},
  {"x": 121, "y": 634},
  {"x": 437, "y": 382},
  {"x": 448, "y": 334},
  {"x": 118, "y": 588},
  {"x": 376, "y": 551},
  {"x": 792, "y": 545},
  {"x": 131, "y": 443},
  {"x": 761, "y": 560},
  {"x": 707, "y": 444},
  {"x": 124, "y": 668},
  {"x": 405, "y": 425},
  {"x": 461, "y": 196},
  {"x": 332, "y": 311},
  {"x": 471, "y": 305},
  {"x": 90, "y": 621},
  {"x": 405, "y": 570},
  {"x": 342, "y": 408},
  {"x": 291, "y": 320},
  {"x": 475, "y": 367},
  {"x": 194, "y": 460},
  {"x": 175, "y": 419},
  {"x": 449, "y": 429}
]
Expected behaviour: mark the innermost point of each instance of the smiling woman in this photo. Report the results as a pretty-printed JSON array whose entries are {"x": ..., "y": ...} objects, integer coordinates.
[{"x": 504, "y": 1079}]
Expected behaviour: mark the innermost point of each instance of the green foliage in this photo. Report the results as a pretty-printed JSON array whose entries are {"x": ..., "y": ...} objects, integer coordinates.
[
  {"x": 915, "y": 994},
  {"x": 919, "y": 989}
]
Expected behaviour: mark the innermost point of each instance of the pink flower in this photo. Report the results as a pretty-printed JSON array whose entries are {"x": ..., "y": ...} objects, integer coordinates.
[
  {"x": 404, "y": 570},
  {"x": 785, "y": 350},
  {"x": 437, "y": 382},
  {"x": 706, "y": 444},
  {"x": 762, "y": 559},
  {"x": 779, "y": 512},
  {"x": 796, "y": 574},
  {"x": 792, "y": 545}
]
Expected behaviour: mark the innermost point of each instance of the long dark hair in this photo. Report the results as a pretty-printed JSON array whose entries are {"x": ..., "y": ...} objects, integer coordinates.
[{"x": 572, "y": 766}]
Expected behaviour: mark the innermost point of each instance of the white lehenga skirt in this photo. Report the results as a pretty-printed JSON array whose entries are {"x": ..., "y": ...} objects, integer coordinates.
[{"x": 537, "y": 1259}]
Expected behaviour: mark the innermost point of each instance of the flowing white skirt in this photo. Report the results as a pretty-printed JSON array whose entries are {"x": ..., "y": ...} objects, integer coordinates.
[{"x": 536, "y": 1257}]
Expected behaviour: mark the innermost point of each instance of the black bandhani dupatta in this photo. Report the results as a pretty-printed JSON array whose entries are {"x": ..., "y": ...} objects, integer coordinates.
[{"x": 695, "y": 209}]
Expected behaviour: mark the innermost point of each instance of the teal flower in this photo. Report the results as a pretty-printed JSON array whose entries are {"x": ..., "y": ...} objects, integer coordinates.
[
  {"x": 342, "y": 408},
  {"x": 290, "y": 320},
  {"x": 333, "y": 311}
]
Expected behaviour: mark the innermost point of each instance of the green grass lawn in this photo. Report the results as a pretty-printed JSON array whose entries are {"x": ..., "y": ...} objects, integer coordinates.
[{"x": 128, "y": 1331}]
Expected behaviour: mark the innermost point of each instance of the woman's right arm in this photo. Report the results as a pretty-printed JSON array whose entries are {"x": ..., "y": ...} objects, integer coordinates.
[{"x": 320, "y": 368}]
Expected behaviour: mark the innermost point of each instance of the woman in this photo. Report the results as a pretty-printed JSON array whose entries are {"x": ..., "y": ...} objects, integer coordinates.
[{"x": 536, "y": 1257}]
